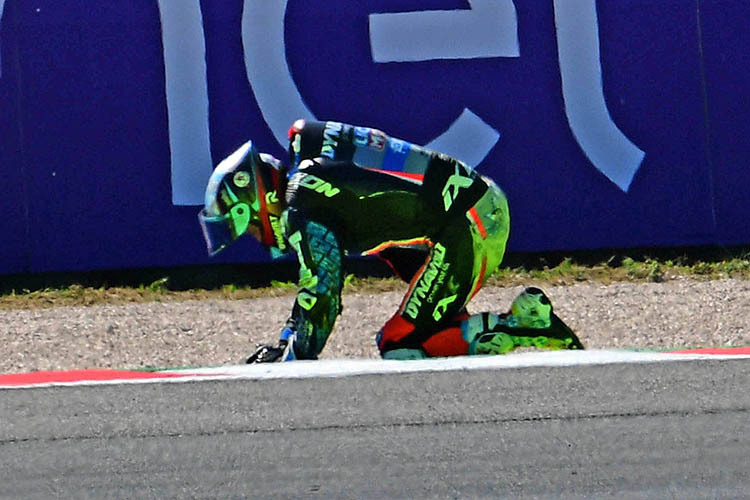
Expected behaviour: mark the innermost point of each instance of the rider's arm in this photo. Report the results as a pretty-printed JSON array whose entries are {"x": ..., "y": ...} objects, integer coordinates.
[
  {"x": 360, "y": 146},
  {"x": 318, "y": 301},
  {"x": 305, "y": 141}
]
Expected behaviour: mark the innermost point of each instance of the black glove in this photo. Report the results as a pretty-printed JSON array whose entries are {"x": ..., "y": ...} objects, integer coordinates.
[{"x": 268, "y": 353}]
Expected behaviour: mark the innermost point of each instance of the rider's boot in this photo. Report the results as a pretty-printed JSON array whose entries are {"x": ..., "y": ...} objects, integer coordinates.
[{"x": 530, "y": 322}]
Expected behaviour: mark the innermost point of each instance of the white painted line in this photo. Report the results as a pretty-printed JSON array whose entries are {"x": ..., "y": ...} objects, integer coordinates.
[{"x": 351, "y": 367}]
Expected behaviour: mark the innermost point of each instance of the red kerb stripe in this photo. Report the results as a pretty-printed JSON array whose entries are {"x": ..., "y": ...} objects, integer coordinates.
[
  {"x": 51, "y": 377},
  {"x": 716, "y": 350}
]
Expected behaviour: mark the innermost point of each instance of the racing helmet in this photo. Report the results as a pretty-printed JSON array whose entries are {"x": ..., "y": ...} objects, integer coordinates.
[{"x": 240, "y": 195}]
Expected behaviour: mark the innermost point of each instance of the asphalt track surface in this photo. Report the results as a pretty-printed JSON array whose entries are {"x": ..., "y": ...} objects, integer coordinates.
[{"x": 658, "y": 430}]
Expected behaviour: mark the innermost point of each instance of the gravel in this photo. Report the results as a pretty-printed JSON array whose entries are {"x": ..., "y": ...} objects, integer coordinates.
[{"x": 678, "y": 313}]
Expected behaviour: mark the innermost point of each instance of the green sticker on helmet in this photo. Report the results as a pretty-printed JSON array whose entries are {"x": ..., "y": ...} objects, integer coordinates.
[{"x": 240, "y": 214}]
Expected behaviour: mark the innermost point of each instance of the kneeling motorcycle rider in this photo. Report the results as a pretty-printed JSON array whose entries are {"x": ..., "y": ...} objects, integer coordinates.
[{"x": 352, "y": 190}]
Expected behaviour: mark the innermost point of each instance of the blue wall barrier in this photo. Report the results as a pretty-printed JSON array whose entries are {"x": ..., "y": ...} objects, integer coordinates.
[{"x": 608, "y": 123}]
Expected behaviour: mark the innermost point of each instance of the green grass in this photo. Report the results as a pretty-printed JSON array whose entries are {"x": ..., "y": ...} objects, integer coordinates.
[{"x": 566, "y": 272}]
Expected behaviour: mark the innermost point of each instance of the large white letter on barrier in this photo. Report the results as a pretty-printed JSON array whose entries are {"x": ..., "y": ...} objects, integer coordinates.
[
  {"x": 187, "y": 99},
  {"x": 2, "y": 5},
  {"x": 267, "y": 68},
  {"x": 488, "y": 29},
  {"x": 610, "y": 151}
]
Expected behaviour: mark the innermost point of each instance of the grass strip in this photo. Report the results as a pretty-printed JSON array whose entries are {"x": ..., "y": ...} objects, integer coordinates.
[{"x": 566, "y": 272}]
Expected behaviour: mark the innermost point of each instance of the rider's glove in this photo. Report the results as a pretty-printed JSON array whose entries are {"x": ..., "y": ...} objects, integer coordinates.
[{"x": 284, "y": 351}]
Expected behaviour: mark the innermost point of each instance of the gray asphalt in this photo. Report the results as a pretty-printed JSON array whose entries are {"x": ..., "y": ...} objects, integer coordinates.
[{"x": 671, "y": 430}]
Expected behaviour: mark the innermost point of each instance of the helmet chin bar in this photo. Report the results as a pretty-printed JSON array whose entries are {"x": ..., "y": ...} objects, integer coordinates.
[
  {"x": 217, "y": 231},
  {"x": 222, "y": 230}
]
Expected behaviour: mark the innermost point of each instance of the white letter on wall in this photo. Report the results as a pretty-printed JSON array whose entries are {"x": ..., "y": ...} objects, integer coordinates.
[
  {"x": 580, "y": 68},
  {"x": 267, "y": 68},
  {"x": 187, "y": 99},
  {"x": 2, "y": 5}
]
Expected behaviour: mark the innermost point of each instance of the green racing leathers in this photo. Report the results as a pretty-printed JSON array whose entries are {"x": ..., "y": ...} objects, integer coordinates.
[{"x": 440, "y": 225}]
